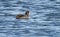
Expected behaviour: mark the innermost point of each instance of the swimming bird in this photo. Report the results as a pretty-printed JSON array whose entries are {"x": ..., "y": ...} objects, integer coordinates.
[{"x": 21, "y": 16}]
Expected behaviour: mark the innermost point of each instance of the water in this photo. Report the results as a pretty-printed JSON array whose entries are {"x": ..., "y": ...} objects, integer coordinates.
[{"x": 44, "y": 19}]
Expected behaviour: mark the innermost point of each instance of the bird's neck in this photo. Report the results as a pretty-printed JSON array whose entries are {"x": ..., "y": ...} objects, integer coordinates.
[{"x": 26, "y": 14}]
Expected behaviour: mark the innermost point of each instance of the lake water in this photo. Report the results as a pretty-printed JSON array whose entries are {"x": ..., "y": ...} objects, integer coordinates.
[{"x": 44, "y": 18}]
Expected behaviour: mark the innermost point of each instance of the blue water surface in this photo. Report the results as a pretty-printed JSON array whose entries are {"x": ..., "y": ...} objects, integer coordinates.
[{"x": 44, "y": 18}]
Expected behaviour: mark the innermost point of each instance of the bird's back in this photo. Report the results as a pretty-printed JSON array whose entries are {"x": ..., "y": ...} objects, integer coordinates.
[{"x": 19, "y": 16}]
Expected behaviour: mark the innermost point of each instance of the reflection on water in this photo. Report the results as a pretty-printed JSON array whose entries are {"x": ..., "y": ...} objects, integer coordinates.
[{"x": 44, "y": 19}]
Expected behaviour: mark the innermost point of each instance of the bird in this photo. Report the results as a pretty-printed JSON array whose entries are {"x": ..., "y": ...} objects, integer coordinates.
[{"x": 21, "y": 16}]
